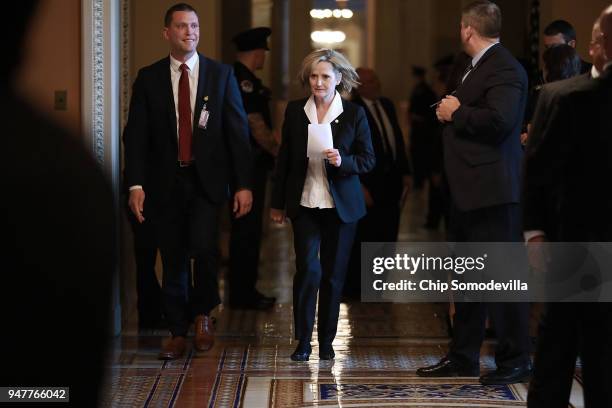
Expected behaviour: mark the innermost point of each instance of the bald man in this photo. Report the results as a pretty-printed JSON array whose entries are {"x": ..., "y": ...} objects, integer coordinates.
[
  {"x": 568, "y": 155},
  {"x": 596, "y": 50}
]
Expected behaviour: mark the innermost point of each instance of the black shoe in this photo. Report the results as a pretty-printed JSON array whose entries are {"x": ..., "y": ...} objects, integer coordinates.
[
  {"x": 255, "y": 301},
  {"x": 513, "y": 375},
  {"x": 302, "y": 351},
  {"x": 326, "y": 352},
  {"x": 448, "y": 368}
]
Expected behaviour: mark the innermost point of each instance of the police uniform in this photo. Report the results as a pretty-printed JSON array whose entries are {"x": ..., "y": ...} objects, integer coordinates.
[
  {"x": 256, "y": 99},
  {"x": 245, "y": 239}
]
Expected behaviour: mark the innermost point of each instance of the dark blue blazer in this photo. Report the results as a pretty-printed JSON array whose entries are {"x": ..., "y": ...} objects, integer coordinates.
[
  {"x": 222, "y": 150},
  {"x": 351, "y": 135},
  {"x": 567, "y": 160},
  {"x": 482, "y": 150}
]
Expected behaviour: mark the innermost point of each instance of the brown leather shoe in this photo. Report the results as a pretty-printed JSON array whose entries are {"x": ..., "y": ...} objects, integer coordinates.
[
  {"x": 173, "y": 349},
  {"x": 204, "y": 333}
]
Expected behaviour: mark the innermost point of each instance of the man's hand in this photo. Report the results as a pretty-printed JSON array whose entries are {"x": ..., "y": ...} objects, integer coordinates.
[
  {"x": 277, "y": 216},
  {"x": 136, "y": 203},
  {"x": 525, "y": 135},
  {"x": 333, "y": 156},
  {"x": 446, "y": 108},
  {"x": 243, "y": 200}
]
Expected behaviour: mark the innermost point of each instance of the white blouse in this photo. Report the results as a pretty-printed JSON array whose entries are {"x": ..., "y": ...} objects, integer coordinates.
[{"x": 316, "y": 193}]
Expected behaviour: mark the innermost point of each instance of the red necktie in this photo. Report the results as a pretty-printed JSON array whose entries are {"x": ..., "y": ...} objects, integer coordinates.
[{"x": 184, "y": 108}]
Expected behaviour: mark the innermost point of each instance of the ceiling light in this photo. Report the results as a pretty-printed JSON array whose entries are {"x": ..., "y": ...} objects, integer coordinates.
[
  {"x": 347, "y": 13},
  {"x": 327, "y": 37}
]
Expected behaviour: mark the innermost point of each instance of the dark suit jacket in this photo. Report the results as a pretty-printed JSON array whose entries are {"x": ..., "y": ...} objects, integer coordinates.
[
  {"x": 59, "y": 262},
  {"x": 222, "y": 150},
  {"x": 351, "y": 135},
  {"x": 568, "y": 158},
  {"x": 482, "y": 151},
  {"x": 384, "y": 182}
]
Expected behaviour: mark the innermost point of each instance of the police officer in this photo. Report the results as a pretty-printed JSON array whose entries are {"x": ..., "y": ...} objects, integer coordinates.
[{"x": 245, "y": 240}]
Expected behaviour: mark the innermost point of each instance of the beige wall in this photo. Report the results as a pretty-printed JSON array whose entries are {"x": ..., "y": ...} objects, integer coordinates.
[
  {"x": 53, "y": 60},
  {"x": 446, "y": 19},
  {"x": 580, "y": 14},
  {"x": 261, "y": 16},
  {"x": 147, "y": 20},
  {"x": 236, "y": 17},
  {"x": 515, "y": 26},
  {"x": 404, "y": 37},
  {"x": 299, "y": 43}
]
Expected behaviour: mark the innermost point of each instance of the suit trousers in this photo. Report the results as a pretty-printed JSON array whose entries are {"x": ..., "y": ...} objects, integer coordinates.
[
  {"x": 187, "y": 228},
  {"x": 148, "y": 291},
  {"x": 322, "y": 247},
  {"x": 245, "y": 239},
  {"x": 380, "y": 224},
  {"x": 490, "y": 224},
  {"x": 569, "y": 330}
]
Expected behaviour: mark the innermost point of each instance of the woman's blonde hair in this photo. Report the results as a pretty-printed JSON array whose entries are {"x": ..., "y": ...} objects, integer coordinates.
[{"x": 349, "y": 78}]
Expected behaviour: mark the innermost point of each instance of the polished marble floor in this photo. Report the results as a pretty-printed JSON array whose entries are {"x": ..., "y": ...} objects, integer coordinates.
[{"x": 378, "y": 348}]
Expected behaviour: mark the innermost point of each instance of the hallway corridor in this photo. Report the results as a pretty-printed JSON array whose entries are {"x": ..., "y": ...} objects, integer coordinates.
[{"x": 378, "y": 348}]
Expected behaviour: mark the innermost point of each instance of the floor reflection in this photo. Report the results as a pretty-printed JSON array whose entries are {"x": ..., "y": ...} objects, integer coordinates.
[{"x": 378, "y": 348}]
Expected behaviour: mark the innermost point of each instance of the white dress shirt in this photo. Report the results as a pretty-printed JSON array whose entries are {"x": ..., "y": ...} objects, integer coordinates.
[
  {"x": 386, "y": 122},
  {"x": 316, "y": 193},
  {"x": 193, "y": 64}
]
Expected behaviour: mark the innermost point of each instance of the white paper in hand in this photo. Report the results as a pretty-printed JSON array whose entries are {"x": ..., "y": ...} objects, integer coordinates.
[{"x": 319, "y": 139}]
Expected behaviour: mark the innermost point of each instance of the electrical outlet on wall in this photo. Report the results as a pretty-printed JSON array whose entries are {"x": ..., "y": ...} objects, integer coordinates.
[{"x": 61, "y": 100}]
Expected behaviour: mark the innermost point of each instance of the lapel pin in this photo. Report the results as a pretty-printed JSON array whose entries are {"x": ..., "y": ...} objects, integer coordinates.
[
  {"x": 206, "y": 98},
  {"x": 337, "y": 121}
]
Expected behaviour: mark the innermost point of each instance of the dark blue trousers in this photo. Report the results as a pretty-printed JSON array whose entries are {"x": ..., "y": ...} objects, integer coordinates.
[{"x": 322, "y": 249}]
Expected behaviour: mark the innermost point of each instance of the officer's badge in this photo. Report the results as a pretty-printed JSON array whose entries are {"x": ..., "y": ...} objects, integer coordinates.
[{"x": 247, "y": 86}]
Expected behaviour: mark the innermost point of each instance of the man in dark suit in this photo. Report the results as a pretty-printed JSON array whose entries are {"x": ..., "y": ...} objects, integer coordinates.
[
  {"x": 59, "y": 257},
  {"x": 423, "y": 125},
  {"x": 482, "y": 156},
  {"x": 567, "y": 154},
  {"x": 387, "y": 184},
  {"x": 148, "y": 290},
  {"x": 186, "y": 142},
  {"x": 425, "y": 143},
  {"x": 562, "y": 32},
  {"x": 245, "y": 238}
]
